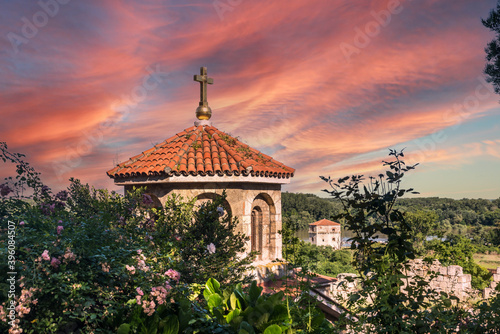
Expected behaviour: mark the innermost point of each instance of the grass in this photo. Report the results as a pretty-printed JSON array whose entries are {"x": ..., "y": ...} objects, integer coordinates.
[{"x": 490, "y": 261}]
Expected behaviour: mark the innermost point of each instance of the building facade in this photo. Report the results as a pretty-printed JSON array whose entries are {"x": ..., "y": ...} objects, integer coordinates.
[
  {"x": 325, "y": 233},
  {"x": 201, "y": 162}
]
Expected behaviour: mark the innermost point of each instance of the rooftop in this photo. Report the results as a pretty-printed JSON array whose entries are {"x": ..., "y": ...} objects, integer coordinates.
[
  {"x": 324, "y": 222},
  {"x": 201, "y": 151}
]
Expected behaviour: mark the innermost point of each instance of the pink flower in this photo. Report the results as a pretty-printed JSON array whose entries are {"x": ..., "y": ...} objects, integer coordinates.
[
  {"x": 22, "y": 223},
  {"x": 211, "y": 248},
  {"x": 130, "y": 268},
  {"x": 139, "y": 251},
  {"x": 55, "y": 262},
  {"x": 45, "y": 255},
  {"x": 59, "y": 229},
  {"x": 139, "y": 291},
  {"x": 149, "y": 308},
  {"x": 69, "y": 255},
  {"x": 105, "y": 267},
  {"x": 160, "y": 293},
  {"x": 3, "y": 315},
  {"x": 173, "y": 274},
  {"x": 178, "y": 238}
]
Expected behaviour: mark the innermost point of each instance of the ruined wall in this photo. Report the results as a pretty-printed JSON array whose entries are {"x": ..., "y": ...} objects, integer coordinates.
[
  {"x": 489, "y": 291},
  {"x": 450, "y": 279}
]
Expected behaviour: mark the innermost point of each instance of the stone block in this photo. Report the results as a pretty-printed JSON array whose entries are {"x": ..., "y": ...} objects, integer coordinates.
[
  {"x": 464, "y": 278},
  {"x": 487, "y": 292},
  {"x": 496, "y": 277},
  {"x": 493, "y": 285},
  {"x": 498, "y": 270},
  {"x": 443, "y": 271},
  {"x": 455, "y": 270}
]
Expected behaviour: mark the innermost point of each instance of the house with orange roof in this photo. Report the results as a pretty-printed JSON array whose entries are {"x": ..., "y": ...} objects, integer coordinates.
[
  {"x": 325, "y": 233},
  {"x": 201, "y": 162}
]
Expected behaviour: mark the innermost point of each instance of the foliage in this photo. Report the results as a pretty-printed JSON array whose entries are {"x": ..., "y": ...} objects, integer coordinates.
[
  {"x": 208, "y": 242},
  {"x": 492, "y": 69},
  {"x": 460, "y": 251},
  {"x": 323, "y": 260},
  {"x": 304, "y": 209},
  {"x": 389, "y": 301},
  {"x": 423, "y": 224},
  {"x": 249, "y": 312},
  {"x": 92, "y": 261}
]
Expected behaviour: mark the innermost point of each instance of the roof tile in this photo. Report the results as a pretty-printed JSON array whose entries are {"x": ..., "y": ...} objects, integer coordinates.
[{"x": 202, "y": 150}]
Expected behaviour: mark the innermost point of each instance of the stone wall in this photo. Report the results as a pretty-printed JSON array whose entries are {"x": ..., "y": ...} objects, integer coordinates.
[
  {"x": 489, "y": 291},
  {"x": 242, "y": 197},
  {"x": 450, "y": 279}
]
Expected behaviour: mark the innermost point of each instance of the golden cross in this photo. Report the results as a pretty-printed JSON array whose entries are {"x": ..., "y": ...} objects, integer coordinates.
[{"x": 203, "y": 111}]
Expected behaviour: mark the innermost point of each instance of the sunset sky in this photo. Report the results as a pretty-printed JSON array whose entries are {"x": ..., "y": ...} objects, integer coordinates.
[{"x": 325, "y": 87}]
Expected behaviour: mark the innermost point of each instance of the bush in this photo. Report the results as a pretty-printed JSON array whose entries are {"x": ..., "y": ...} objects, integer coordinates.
[{"x": 91, "y": 261}]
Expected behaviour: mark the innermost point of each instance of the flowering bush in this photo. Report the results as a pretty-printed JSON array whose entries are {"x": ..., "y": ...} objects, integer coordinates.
[{"x": 94, "y": 261}]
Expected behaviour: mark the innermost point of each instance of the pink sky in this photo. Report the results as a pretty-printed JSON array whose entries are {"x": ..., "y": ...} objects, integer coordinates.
[{"x": 326, "y": 87}]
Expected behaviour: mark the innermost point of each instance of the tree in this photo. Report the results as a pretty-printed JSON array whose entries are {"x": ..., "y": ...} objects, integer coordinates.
[
  {"x": 424, "y": 224},
  {"x": 390, "y": 300},
  {"x": 492, "y": 69}
]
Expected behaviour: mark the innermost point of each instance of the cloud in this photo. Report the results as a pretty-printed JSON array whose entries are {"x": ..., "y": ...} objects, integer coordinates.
[{"x": 282, "y": 82}]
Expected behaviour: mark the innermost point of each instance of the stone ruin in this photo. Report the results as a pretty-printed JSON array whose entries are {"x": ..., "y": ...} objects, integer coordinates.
[
  {"x": 489, "y": 291},
  {"x": 450, "y": 279}
]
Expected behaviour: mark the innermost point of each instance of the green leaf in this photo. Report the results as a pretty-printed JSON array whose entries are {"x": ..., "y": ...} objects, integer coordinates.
[
  {"x": 231, "y": 315},
  {"x": 235, "y": 303},
  {"x": 214, "y": 301},
  {"x": 280, "y": 313},
  {"x": 171, "y": 325},
  {"x": 246, "y": 328},
  {"x": 212, "y": 286},
  {"x": 273, "y": 329},
  {"x": 123, "y": 329},
  {"x": 254, "y": 292}
]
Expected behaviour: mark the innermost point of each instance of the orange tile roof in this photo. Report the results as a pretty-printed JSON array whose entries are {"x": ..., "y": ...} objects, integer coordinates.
[
  {"x": 324, "y": 222},
  {"x": 201, "y": 150}
]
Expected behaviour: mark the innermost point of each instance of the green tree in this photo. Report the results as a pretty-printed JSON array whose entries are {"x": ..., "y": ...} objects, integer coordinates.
[
  {"x": 423, "y": 223},
  {"x": 389, "y": 301},
  {"x": 492, "y": 68}
]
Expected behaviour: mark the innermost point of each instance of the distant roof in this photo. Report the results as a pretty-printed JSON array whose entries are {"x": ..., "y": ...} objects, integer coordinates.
[
  {"x": 324, "y": 222},
  {"x": 204, "y": 151}
]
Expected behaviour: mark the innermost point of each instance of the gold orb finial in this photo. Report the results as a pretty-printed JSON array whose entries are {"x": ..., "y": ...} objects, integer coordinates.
[{"x": 203, "y": 112}]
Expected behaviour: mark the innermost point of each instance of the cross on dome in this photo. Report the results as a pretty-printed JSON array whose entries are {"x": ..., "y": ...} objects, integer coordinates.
[{"x": 203, "y": 112}]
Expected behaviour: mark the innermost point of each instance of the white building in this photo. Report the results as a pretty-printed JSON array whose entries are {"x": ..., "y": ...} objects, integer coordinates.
[{"x": 325, "y": 233}]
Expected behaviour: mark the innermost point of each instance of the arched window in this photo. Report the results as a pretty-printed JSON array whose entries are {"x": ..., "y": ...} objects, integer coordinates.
[{"x": 256, "y": 236}]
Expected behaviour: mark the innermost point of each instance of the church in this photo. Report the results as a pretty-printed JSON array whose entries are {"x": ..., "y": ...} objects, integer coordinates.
[{"x": 201, "y": 162}]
